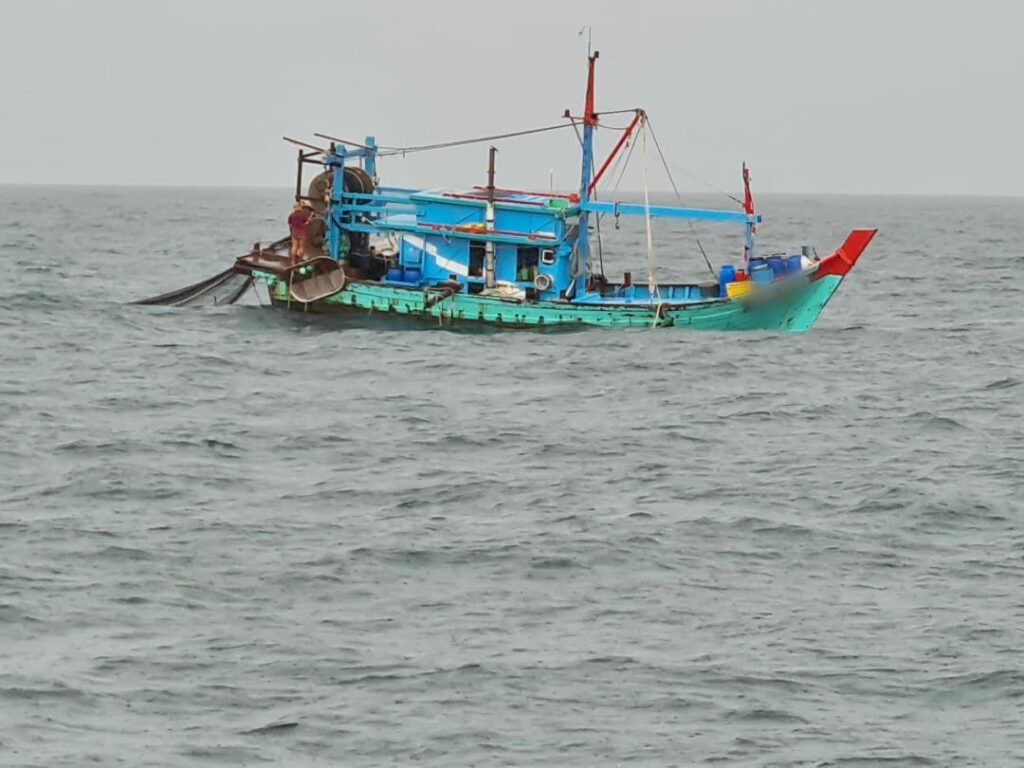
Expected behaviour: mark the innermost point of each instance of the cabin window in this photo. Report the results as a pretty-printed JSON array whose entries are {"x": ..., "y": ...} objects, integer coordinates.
[
  {"x": 547, "y": 257},
  {"x": 477, "y": 251},
  {"x": 526, "y": 263}
]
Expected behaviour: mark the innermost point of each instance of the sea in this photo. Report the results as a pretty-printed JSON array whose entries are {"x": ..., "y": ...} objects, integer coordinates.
[{"x": 241, "y": 536}]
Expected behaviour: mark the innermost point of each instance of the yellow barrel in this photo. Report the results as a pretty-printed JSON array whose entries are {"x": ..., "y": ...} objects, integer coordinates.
[{"x": 735, "y": 290}]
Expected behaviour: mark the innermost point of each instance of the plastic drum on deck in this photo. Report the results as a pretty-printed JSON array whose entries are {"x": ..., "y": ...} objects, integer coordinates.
[{"x": 726, "y": 275}]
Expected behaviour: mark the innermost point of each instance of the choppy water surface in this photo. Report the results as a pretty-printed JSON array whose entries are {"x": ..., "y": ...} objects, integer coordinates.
[{"x": 241, "y": 536}]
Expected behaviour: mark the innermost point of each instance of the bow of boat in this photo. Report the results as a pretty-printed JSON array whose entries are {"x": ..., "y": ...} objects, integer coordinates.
[{"x": 842, "y": 260}]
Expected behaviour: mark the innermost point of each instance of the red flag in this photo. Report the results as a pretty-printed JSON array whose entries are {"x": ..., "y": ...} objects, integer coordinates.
[{"x": 748, "y": 199}]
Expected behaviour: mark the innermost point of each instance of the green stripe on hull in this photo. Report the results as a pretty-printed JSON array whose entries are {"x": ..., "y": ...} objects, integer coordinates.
[{"x": 788, "y": 308}]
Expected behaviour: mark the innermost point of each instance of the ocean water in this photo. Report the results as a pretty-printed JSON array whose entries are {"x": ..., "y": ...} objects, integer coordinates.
[{"x": 240, "y": 536}]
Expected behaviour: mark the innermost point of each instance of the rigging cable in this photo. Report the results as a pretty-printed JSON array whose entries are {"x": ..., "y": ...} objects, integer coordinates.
[
  {"x": 693, "y": 176},
  {"x": 613, "y": 127},
  {"x": 600, "y": 245},
  {"x": 579, "y": 136},
  {"x": 707, "y": 183},
  {"x": 629, "y": 155},
  {"x": 620, "y": 162},
  {"x": 618, "y": 165},
  {"x": 679, "y": 199},
  {"x": 388, "y": 151},
  {"x": 604, "y": 112},
  {"x": 346, "y": 142},
  {"x": 574, "y": 260},
  {"x": 600, "y": 216}
]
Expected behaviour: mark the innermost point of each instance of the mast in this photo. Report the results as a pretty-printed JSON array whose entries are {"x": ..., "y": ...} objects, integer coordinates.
[
  {"x": 489, "y": 244},
  {"x": 589, "y": 122},
  {"x": 336, "y": 236}
]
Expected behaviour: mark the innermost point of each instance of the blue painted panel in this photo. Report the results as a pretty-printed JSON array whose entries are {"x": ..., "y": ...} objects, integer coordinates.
[
  {"x": 477, "y": 235},
  {"x": 455, "y": 215},
  {"x": 533, "y": 222},
  {"x": 437, "y": 257},
  {"x": 524, "y": 220}
]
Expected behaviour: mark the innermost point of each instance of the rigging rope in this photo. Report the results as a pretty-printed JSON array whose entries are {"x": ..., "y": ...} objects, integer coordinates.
[
  {"x": 579, "y": 136},
  {"x": 631, "y": 111},
  {"x": 689, "y": 174},
  {"x": 597, "y": 217},
  {"x": 613, "y": 127},
  {"x": 704, "y": 181},
  {"x": 625, "y": 165},
  {"x": 679, "y": 199},
  {"x": 346, "y": 142},
  {"x": 389, "y": 151},
  {"x": 617, "y": 164}
]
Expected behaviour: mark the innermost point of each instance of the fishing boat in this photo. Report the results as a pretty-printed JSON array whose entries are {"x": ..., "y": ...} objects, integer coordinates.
[{"x": 512, "y": 258}]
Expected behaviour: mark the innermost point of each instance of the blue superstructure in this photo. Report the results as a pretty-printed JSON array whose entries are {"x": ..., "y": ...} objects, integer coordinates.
[{"x": 541, "y": 241}]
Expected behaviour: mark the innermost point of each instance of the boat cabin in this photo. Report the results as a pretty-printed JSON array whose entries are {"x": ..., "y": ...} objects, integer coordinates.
[
  {"x": 446, "y": 238},
  {"x": 489, "y": 240}
]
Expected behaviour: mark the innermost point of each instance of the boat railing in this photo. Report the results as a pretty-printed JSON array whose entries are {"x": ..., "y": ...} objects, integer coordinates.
[
  {"x": 638, "y": 209},
  {"x": 378, "y": 204}
]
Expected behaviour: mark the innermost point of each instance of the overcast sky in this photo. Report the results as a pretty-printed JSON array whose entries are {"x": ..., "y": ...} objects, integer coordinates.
[{"x": 891, "y": 96}]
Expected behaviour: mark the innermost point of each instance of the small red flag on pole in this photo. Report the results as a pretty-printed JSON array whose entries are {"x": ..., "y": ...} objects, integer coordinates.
[{"x": 748, "y": 199}]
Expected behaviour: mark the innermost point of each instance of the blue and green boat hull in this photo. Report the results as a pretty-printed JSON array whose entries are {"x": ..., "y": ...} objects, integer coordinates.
[{"x": 792, "y": 304}]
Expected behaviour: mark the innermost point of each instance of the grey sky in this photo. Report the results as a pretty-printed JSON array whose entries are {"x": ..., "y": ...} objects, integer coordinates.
[{"x": 902, "y": 96}]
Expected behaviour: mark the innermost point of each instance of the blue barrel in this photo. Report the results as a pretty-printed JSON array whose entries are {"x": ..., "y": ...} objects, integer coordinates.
[
  {"x": 761, "y": 274},
  {"x": 726, "y": 275},
  {"x": 777, "y": 265},
  {"x": 413, "y": 275},
  {"x": 755, "y": 263},
  {"x": 793, "y": 264},
  {"x": 394, "y": 275}
]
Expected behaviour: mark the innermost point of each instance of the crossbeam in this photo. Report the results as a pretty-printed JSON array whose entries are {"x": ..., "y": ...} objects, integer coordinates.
[{"x": 633, "y": 209}]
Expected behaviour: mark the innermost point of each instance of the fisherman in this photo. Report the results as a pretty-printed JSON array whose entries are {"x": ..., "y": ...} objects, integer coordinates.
[{"x": 298, "y": 222}]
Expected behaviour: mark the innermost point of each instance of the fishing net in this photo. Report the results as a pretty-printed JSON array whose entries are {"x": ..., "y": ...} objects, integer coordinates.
[{"x": 224, "y": 288}]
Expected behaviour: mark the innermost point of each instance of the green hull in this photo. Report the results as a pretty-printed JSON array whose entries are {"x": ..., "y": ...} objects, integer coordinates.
[{"x": 788, "y": 306}]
